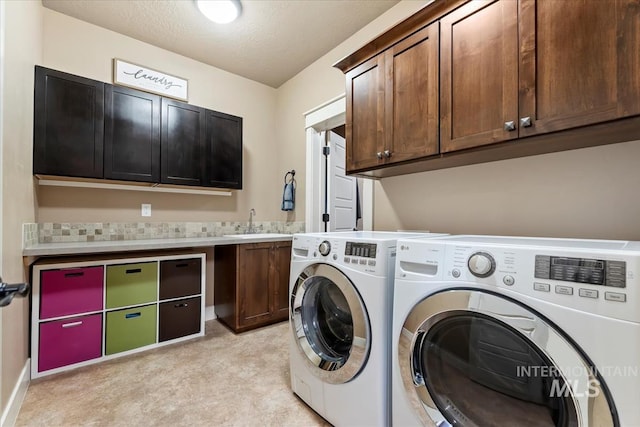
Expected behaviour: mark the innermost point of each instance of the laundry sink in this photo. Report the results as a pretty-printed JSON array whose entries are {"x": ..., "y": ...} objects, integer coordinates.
[{"x": 258, "y": 235}]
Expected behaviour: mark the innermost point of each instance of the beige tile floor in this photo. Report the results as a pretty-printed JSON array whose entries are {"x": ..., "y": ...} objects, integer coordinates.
[{"x": 221, "y": 379}]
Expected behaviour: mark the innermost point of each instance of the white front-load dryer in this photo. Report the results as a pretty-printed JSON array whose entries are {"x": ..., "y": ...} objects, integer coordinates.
[
  {"x": 500, "y": 331},
  {"x": 341, "y": 294}
]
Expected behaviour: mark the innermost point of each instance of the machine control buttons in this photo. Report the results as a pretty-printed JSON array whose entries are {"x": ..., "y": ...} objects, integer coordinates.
[
  {"x": 541, "y": 287},
  {"x": 347, "y": 260},
  {"x": 354, "y": 260},
  {"x": 508, "y": 280},
  {"x": 481, "y": 264},
  {"x": 455, "y": 273},
  {"x": 564, "y": 290},
  {"x": 335, "y": 257},
  {"x": 615, "y": 296},
  {"x": 588, "y": 293},
  {"x": 363, "y": 262},
  {"x": 324, "y": 248},
  {"x": 372, "y": 262}
]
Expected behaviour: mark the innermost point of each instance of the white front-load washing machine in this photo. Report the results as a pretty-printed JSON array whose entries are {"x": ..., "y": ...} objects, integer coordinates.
[
  {"x": 505, "y": 331},
  {"x": 340, "y": 313}
]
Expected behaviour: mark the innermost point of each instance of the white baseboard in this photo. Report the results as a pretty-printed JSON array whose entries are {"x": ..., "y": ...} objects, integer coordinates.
[
  {"x": 10, "y": 414},
  {"x": 209, "y": 313}
]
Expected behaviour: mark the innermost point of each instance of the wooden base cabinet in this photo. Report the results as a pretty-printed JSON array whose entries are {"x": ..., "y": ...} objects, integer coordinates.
[
  {"x": 148, "y": 302},
  {"x": 251, "y": 284}
]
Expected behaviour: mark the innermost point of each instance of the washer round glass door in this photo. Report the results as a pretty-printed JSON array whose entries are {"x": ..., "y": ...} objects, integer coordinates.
[
  {"x": 330, "y": 324},
  {"x": 476, "y": 358}
]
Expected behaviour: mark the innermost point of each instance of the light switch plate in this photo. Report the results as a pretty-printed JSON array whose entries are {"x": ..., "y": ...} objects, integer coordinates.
[{"x": 146, "y": 209}]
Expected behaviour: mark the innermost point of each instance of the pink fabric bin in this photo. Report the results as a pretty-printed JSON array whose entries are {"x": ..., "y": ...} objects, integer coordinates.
[
  {"x": 71, "y": 291},
  {"x": 68, "y": 341}
]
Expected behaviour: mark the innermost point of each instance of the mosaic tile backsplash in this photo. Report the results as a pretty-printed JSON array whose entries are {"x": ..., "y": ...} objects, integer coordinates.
[{"x": 89, "y": 232}]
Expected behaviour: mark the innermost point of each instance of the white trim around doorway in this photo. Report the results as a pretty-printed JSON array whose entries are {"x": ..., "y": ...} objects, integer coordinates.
[{"x": 320, "y": 119}]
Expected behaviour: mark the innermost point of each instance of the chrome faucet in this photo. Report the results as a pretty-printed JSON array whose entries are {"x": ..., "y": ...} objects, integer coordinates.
[{"x": 251, "y": 229}]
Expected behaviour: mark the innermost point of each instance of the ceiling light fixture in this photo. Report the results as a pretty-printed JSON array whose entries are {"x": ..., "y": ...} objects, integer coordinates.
[{"x": 220, "y": 11}]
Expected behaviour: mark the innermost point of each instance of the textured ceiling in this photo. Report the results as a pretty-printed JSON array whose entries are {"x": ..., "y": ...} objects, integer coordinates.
[{"x": 271, "y": 42}]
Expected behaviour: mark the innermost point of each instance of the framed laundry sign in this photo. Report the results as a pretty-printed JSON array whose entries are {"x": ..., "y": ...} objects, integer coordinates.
[{"x": 149, "y": 80}]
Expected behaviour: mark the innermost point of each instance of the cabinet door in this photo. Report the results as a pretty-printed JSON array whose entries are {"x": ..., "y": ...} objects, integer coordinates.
[
  {"x": 579, "y": 63},
  {"x": 280, "y": 279},
  {"x": 254, "y": 301},
  {"x": 132, "y": 135},
  {"x": 365, "y": 115},
  {"x": 223, "y": 150},
  {"x": 411, "y": 129},
  {"x": 479, "y": 74},
  {"x": 68, "y": 128},
  {"x": 182, "y": 143}
]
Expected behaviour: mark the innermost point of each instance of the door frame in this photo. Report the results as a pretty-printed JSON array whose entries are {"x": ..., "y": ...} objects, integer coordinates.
[
  {"x": 318, "y": 120},
  {"x": 2, "y": 73}
]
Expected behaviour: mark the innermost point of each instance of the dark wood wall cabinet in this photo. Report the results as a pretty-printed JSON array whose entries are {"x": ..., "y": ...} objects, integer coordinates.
[
  {"x": 464, "y": 82},
  {"x": 89, "y": 129},
  {"x": 251, "y": 284}
]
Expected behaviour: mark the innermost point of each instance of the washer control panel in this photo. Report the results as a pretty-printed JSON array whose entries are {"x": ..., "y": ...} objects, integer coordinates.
[
  {"x": 365, "y": 250},
  {"x": 581, "y": 270}
]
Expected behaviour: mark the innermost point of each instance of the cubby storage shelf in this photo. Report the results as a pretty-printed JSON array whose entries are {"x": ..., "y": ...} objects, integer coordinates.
[{"x": 88, "y": 311}]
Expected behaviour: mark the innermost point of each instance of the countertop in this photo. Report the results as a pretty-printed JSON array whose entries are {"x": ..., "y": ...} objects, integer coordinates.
[{"x": 111, "y": 246}]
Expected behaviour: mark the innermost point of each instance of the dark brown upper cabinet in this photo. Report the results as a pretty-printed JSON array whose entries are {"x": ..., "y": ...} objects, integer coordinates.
[
  {"x": 515, "y": 69},
  {"x": 479, "y": 69},
  {"x": 516, "y": 78},
  {"x": 132, "y": 135},
  {"x": 392, "y": 104},
  {"x": 578, "y": 63},
  {"x": 183, "y": 143},
  {"x": 223, "y": 147},
  {"x": 68, "y": 125},
  {"x": 88, "y": 129}
]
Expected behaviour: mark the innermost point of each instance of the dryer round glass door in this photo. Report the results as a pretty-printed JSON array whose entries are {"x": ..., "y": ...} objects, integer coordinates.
[
  {"x": 477, "y": 358},
  {"x": 330, "y": 324}
]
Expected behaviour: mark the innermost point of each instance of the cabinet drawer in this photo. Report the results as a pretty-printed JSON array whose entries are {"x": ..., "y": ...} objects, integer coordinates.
[
  {"x": 68, "y": 341},
  {"x": 70, "y": 291},
  {"x": 179, "y": 318},
  {"x": 131, "y": 284},
  {"x": 130, "y": 328},
  {"x": 180, "y": 278}
]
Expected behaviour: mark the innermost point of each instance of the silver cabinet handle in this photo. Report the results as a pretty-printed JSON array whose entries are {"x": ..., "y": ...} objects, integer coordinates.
[
  {"x": 72, "y": 324},
  {"x": 387, "y": 153},
  {"x": 525, "y": 122},
  {"x": 379, "y": 154},
  {"x": 510, "y": 126}
]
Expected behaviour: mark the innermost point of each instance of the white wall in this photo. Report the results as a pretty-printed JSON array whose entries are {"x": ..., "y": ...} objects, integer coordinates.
[{"x": 23, "y": 49}]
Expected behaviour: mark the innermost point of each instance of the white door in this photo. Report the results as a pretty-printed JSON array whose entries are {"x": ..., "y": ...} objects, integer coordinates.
[{"x": 342, "y": 188}]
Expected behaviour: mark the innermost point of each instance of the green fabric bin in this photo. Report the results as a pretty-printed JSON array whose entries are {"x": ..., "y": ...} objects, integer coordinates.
[
  {"x": 130, "y": 328},
  {"x": 131, "y": 284}
]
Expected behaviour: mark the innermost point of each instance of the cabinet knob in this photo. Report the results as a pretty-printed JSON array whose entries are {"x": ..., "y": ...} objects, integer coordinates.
[
  {"x": 510, "y": 126},
  {"x": 387, "y": 153},
  {"x": 525, "y": 122},
  {"x": 379, "y": 154}
]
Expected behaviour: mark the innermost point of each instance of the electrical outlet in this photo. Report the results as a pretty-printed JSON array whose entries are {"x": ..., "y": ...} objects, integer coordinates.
[{"x": 146, "y": 209}]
